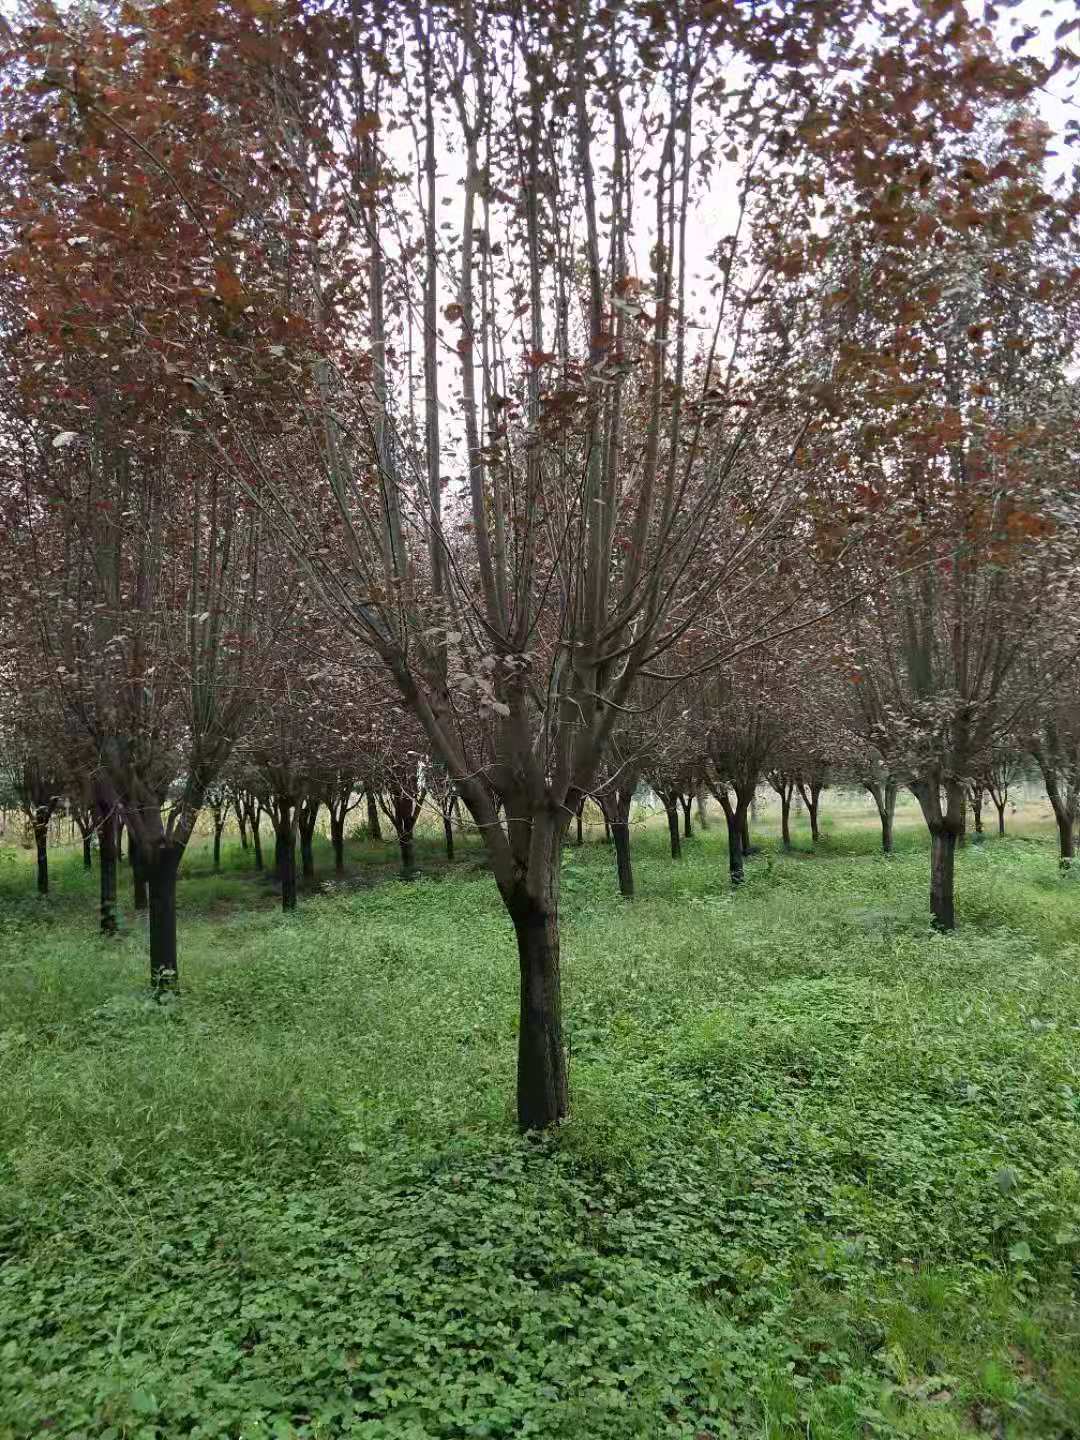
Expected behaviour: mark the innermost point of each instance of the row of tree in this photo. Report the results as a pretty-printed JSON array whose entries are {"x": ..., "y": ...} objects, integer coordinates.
[{"x": 510, "y": 390}]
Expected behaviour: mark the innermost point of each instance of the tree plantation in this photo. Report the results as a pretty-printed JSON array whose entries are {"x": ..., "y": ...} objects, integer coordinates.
[{"x": 616, "y": 468}]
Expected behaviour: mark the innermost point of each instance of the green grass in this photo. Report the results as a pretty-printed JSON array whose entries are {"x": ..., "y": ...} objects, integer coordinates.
[{"x": 822, "y": 1176}]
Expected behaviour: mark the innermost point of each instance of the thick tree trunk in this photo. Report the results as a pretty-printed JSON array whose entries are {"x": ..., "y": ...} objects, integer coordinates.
[
  {"x": 785, "y": 820},
  {"x": 286, "y": 860},
  {"x": 942, "y": 887},
  {"x": 735, "y": 829},
  {"x": 41, "y": 842},
  {"x": 408, "y": 855},
  {"x": 579, "y": 814},
  {"x": 107, "y": 832},
  {"x": 308, "y": 819},
  {"x": 1001, "y": 817},
  {"x": 374, "y": 829},
  {"x": 448, "y": 836},
  {"x": 542, "y": 1097},
  {"x": 672, "y": 812},
  {"x": 620, "y": 833},
  {"x": 138, "y": 872},
  {"x": 1066, "y": 839},
  {"x": 161, "y": 873},
  {"x": 688, "y": 829},
  {"x": 337, "y": 840}
]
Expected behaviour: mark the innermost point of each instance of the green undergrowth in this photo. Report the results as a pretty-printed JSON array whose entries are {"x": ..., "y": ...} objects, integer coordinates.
[{"x": 821, "y": 1179}]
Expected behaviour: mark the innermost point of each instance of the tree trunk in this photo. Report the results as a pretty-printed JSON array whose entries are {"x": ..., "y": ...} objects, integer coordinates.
[
  {"x": 812, "y": 811},
  {"x": 448, "y": 836},
  {"x": 241, "y": 825},
  {"x": 285, "y": 851},
  {"x": 885, "y": 799},
  {"x": 977, "y": 809},
  {"x": 120, "y": 829},
  {"x": 217, "y": 844},
  {"x": 337, "y": 840},
  {"x": 736, "y": 826},
  {"x": 308, "y": 817},
  {"x": 607, "y": 831},
  {"x": 620, "y": 834},
  {"x": 747, "y": 848},
  {"x": 41, "y": 841},
  {"x": 1001, "y": 817},
  {"x": 1066, "y": 839},
  {"x": 578, "y": 817},
  {"x": 408, "y": 855},
  {"x": 138, "y": 872},
  {"x": 942, "y": 860},
  {"x": 161, "y": 874},
  {"x": 107, "y": 831},
  {"x": 672, "y": 812},
  {"x": 688, "y": 829},
  {"x": 374, "y": 829},
  {"x": 88, "y": 851},
  {"x": 785, "y": 820},
  {"x": 256, "y": 841},
  {"x": 541, "y": 1079}
]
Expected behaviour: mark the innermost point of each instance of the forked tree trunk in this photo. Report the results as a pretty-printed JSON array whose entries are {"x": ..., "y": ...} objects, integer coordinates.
[
  {"x": 942, "y": 883},
  {"x": 162, "y": 867},
  {"x": 688, "y": 829},
  {"x": 41, "y": 844},
  {"x": 811, "y": 795},
  {"x": 138, "y": 872},
  {"x": 542, "y": 1098},
  {"x": 241, "y": 825},
  {"x": 884, "y": 796},
  {"x": 1001, "y": 816},
  {"x": 374, "y": 829},
  {"x": 448, "y": 836},
  {"x": 107, "y": 831}
]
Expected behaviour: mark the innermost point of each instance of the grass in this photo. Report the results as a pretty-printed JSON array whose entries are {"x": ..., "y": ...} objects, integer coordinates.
[{"x": 822, "y": 1176}]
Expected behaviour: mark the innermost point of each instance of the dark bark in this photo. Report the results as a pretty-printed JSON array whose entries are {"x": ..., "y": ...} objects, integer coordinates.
[
  {"x": 121, "y": 830},
  {"x": 541, "y": 1078},
  {"x": 256, "y": 839},
  {"x": 884, "y": 795},
  {"x": 282, "y": 809},
  {"x": 374, "y": 829},
  {"x": 307, "y": 817},
  {"x": 41, "y": 843},
  {"x": 241, "y": 825},
  {"x": 785, "y": 819},
  {"x": 88, "y": 851},
  {"x": 1001, "y": 816},
  {"x": 607, "y": 831},
  {"x": 107, "y": 857},
  {"x": 218, "y": 828},
  {"x": 735, "y": 844},
  {"x": 448, "y": 836},
  {"x": 578, "y": 818},
  {"x": 337, "y": 840},
  {"x": 1066, "y": 840},
  {"x": 620, "y": 834},
  {"x": 671, "y": 809},
  {"x": 408, "y": 855},
  {"x": 688, "y": 829},
  {"x": 977, "y": 795},
  {"x": 747, "y": 847},
  {"x": 162, "y": 867},
  {"x": 811, "y": 795},
  {"x": 138, "y": 872},
  {"x": 942, "y": 861}
]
